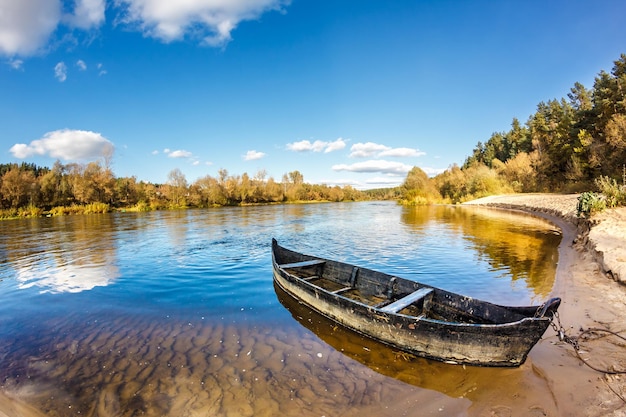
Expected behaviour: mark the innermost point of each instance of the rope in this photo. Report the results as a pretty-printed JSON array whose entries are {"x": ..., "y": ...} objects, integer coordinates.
[
  {"x": 574, "y": 342},
  {"x": 577, "y": 350}
]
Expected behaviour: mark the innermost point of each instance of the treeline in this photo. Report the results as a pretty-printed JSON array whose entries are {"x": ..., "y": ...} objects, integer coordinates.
[
  {"x": 565, "y": 146},
  {"x": 29, "y": 190}
]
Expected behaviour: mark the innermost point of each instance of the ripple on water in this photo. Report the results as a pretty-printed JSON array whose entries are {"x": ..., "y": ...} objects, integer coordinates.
[{"x": 175, "y": 314}]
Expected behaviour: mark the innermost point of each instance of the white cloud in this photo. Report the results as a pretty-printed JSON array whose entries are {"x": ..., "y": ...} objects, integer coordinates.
[
  {"x": 402, "y": 152},
  {"x": 431, "y": 172},
  {"x": 335, "y": 146},
  {"x": 365, "y": 150},
  {"x": 81, "y": 65},
  {"x": 253, "y": 155},
  {"x": 389, "y": 181},
  {"x": 155, "y": 152},
  {"x": 212, "y": 21},
  {"x": 26, "y": 25},
  {"x": 376, "y": 165},
  {"x": 87, "y": 14},
  {"x": 181, "y": 153},
  {"x": 370, "y": 149},
  {"x": 66, "y": 144},
  {"x": 16, "y": 64},
  {"x": 60, "y": 71},
  {"x": 317, "y": 146}
]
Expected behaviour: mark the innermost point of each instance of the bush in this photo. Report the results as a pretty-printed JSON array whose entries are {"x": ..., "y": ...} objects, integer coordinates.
[
  {"x": 590, "y": 203},
  {"x": 30, "y": 211},
  {"x": 8, "y": 213},
  {"x": 140, "y": 206},
  {"x": 614, "y": 194},
  {"x": 96, "y": 208}
]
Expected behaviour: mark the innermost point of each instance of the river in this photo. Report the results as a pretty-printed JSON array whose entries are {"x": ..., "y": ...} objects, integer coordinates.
[{"x": 174, "y": 313}]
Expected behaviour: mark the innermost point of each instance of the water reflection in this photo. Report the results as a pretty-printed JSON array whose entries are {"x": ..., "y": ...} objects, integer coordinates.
[
  {"x": 518, "y": 246},
  {"x": 473, "y": 383},
  {"x": 63, "y": 254}
]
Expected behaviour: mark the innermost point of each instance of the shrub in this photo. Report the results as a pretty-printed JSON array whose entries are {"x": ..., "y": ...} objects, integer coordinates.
[
  {"x": 96, "y": 208},
  {"x": 614, "y": 194},
  {"x": 590, "y": 203},
  {"x": 8, "y": 213},
  {"x": 30, "y": 211}
]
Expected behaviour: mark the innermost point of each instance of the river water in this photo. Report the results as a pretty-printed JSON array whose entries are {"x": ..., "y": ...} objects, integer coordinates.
[{"x": 174, "y": 313}]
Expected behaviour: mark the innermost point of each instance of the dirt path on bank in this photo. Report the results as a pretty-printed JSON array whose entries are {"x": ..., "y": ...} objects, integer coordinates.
[{"x": 591, "y": 256}]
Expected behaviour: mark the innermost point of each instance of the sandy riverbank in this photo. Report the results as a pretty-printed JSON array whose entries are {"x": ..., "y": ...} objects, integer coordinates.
[{"x": 590, "y": 278}]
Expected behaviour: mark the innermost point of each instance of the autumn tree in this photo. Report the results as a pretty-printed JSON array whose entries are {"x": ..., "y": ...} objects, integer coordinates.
[{"x": 18, "y": 188}]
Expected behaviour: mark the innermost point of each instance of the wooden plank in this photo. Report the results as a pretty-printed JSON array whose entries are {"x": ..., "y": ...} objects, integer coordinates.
[
  {"x": 302, "y": 264},
  {"x": 340, "y": 290},
  {"x": 406, "y": 301}
]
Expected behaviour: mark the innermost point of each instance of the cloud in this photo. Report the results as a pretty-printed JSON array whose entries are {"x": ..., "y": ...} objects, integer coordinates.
[
  {"x": 431, "y": 172},
  {"x": 181, "y": 153},
  {"x": 389, "y": 181},
  {"x": 317, "y": 146},
  {"x": 60, "y": 71},
  {"x": 81, "y": 65},
  {"x": 210, "y": 21},
  {"x": 370, "y": 149},
  {"x": 253, "y": 155},
  {"x": 26, "y": 25},
  {"x": 87, "y": 14},
  {"x": 402, "y": 152},
  {"x": 66, "y": 144},
  {"x": 377, "y": 165},
  {"x": 16, "y": 64}
]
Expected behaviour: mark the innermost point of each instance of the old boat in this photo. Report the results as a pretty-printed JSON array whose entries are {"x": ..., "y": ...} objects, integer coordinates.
[{"x": 407, "y": 315}]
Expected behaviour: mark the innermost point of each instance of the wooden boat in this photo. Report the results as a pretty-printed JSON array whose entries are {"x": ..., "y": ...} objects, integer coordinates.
[{"x": 407, "y": 315}]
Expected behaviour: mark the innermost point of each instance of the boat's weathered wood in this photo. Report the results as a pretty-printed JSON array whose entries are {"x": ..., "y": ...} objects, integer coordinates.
[
  {"x": 341, "y": 290},
  {"x": 425, "y": 321},
  {"x": 302, "y": 264},
  {"x": 404, "y": 302}
]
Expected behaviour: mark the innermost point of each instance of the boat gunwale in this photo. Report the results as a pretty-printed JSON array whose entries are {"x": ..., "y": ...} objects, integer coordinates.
[{"x": 378, "y": 310}]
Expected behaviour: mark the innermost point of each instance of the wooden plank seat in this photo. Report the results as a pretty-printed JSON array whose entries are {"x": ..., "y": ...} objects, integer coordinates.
[
  {"x": 302, "y": 264},
  {"x": 407, "y": 300},
  {"x": 342, "y": 290}
]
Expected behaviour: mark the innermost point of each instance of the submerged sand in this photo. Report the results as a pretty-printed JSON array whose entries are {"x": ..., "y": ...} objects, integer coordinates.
[{"x": 193, "y": 370}]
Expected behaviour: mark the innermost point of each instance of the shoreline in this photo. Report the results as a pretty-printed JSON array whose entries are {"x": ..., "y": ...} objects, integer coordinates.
[{"x": 590, "y": 278}]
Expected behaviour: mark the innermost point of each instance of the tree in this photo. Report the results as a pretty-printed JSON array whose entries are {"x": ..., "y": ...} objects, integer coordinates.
[
  {"x": 18, "y": 187},
  {"x": 418, "y": 188},
  {"x": 177, "y": 188}
]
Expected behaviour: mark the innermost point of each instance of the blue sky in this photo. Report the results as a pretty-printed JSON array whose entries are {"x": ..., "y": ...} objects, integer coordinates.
[{"x": 348, "y": 92}]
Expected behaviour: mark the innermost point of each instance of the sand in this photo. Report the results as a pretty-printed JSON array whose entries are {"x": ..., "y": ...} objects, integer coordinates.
[
  {"x": 590, "y": 278},
  {"x": 186, "y": 370}
]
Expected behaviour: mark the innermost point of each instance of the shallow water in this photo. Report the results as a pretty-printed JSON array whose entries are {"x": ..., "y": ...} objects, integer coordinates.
[{"x": 175, "y": 313}]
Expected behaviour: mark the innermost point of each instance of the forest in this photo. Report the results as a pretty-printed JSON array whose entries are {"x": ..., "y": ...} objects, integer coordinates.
[
  {"x": 28, "y": 190},
  {"x": 570, "y": 145},
  {"x": 574, "y": 144}
]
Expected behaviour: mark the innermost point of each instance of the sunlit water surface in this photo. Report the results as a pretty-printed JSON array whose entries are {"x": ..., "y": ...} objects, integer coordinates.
[{"x": 175, "y": 313}]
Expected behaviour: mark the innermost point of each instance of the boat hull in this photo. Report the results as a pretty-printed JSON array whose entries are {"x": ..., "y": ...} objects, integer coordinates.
[{"x": 504, "y": 344}]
